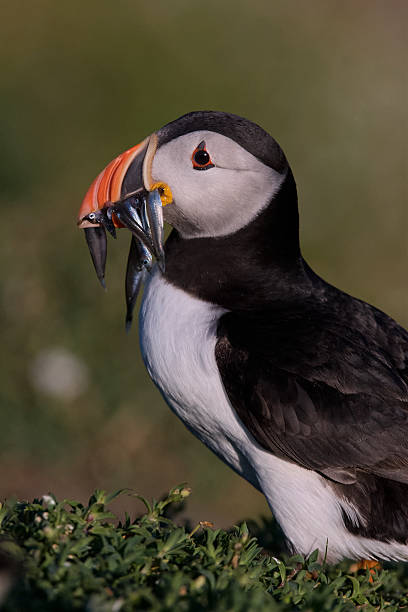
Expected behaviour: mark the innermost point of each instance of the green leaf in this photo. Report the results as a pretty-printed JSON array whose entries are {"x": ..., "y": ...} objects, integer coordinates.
[{"x": 84, "y": 558}]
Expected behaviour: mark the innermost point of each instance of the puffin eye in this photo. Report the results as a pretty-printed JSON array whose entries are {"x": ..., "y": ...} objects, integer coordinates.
[{"x": 201, "y": 158}]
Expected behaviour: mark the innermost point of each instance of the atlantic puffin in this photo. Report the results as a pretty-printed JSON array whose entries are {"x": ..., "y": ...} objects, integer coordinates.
[{"x": 297, "y": 386}]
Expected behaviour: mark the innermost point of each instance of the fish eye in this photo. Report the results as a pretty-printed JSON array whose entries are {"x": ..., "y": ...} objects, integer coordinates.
[{"x": 201, "y": 158}]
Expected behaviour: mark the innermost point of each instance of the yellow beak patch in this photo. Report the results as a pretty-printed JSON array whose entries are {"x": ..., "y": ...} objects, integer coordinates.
[{"x": 165, "y": 192}]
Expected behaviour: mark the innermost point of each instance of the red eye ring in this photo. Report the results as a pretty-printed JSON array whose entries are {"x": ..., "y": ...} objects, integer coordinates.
[{"x": 201, "y": 158}]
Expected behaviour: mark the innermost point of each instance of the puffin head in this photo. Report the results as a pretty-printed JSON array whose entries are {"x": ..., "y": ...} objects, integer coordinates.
[
  {"x": 222, "y": 171},
  {"x": 208, "y": 174}
]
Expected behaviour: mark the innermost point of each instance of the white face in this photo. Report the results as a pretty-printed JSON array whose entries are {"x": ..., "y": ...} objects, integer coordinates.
[{"x": 219, "y": 200}]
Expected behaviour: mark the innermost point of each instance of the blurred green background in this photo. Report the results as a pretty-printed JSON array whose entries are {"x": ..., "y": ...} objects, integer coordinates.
[{"x": 82, "y": 81}]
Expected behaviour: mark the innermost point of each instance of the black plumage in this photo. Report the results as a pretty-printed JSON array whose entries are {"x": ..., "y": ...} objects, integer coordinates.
[{"x": 318, "y": 377}]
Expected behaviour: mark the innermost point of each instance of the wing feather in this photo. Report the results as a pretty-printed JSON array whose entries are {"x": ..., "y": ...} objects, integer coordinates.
[{"x": 323, "y": 399}]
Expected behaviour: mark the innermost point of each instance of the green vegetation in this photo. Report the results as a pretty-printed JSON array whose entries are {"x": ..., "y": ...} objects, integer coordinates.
[{"x": 70, "y": 556}]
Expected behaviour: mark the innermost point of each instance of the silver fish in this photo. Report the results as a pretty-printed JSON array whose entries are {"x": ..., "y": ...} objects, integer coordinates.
[
  {"x": 144, "y": 217},
  {"x": 139, "y": 264},
  {"x": 97, "y": 244},
  {"x": 103, "y": 216},
  {"x": 128, "y": 213},
  {"x": 154, "y": 211}
]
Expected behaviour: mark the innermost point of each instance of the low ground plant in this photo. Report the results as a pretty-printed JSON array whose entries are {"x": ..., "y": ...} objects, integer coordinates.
[{"x": 60, "y": 556}]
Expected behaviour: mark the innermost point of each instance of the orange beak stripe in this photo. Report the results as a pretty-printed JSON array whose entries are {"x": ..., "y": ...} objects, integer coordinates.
[{"x": 107, "y": 185}]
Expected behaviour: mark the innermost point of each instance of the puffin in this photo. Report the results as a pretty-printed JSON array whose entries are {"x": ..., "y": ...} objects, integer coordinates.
[{"x": 299, "y": 387}]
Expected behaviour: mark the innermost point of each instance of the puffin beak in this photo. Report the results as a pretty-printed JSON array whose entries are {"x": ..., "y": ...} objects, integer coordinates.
[{"x": 125, "y": 195}]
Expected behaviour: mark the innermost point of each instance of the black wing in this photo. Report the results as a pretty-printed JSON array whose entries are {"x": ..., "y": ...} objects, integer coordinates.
[{"x": 323, "y": 385}]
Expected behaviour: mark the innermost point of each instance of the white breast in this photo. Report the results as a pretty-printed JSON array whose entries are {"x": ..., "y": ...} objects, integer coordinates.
[{"x": 178, "y": 337}]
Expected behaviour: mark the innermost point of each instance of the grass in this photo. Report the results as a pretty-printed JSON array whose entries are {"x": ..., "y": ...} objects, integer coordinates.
[{"x": 69, "y": 556}]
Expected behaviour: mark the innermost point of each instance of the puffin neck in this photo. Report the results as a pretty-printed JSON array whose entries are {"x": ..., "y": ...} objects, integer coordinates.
[{"x": 250, "y": 269}]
